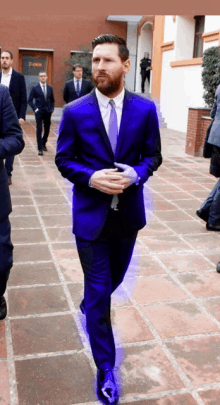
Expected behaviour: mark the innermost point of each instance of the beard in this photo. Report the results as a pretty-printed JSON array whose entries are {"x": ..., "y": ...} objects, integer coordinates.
[{"x": 106, "y": 84}]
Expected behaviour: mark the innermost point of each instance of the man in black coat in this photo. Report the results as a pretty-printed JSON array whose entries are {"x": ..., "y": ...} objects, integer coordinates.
[
  {"x": 41, "y": 100},
  {"x": 76, "y": 87},
  {"x": 145, "y": 66},
  {"x": 17, "y": 88},
  {"x": 11, "y": 143}
]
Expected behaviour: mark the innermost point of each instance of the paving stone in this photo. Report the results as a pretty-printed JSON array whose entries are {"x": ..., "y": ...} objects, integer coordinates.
[
  {"x": 184, "y": 399},
  {"x": 199, "y": 358},
  {"x": 55, "y": 380},
  {"x": 45, "y": 334},
  {"x": 29, "y": 274},
  {"x": 185, "y": 261}
]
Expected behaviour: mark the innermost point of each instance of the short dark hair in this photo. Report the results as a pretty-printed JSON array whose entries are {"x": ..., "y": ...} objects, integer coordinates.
[
  {"x": 76, "y": 66},
  {"x": 42, "y": 71},
  {"x": 113, "y": 39},
  {"x": 11, "y": 55}
]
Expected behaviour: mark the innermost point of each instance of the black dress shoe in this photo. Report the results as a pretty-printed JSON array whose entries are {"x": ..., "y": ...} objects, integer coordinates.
[
  {"x": 107, "y": 391},
  {"x": 218, "y": 267},
  {"x": 9, "y": 180},
  {"x": 40, "y": 153},
  {"x": 44, "y": 148},
  {"x": 211, "y": 227},
  {"x": 3, "y": 308},
  {"x": 203, "y": 214}
]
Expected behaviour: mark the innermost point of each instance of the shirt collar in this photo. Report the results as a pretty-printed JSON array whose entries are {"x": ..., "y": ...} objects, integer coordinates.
[
  {"x": 7, "y": 74},
  {"x": 104, "y": 100},
  {"x": 77, "y": 79}
]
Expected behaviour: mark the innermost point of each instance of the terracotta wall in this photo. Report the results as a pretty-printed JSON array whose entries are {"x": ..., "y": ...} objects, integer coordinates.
[
  {"x": 196, "y": 130},
  {"x": 62, "y": 33}
]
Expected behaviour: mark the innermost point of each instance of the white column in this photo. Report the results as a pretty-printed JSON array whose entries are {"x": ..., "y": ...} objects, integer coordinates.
[{"x": 132, "y": 37}]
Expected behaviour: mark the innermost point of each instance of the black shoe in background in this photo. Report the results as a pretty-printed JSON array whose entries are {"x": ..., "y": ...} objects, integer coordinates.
[
  {"x": 203, "y": 214},
  {"x": 40, "y": 153},
  {"x": 218, "y": 267},
  {"x": 44, "y": 148},
  {"x": 3, "y": 308},
  {"x": 212, "y": 227}
]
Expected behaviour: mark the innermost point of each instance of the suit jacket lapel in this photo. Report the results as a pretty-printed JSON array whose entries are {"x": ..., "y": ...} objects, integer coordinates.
[
  {"x": 125, "y": 119},
  {"x": 11, "y": 81},
  {"x": 100, "y": 123}
]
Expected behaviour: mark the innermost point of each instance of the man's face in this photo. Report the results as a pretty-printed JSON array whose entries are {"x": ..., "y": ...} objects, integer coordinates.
[
  {"x": 6, "y": 61},
  {"x": 78, "y": 72},
  {"x": 146, "y": 55},
  {"x": 42, "y": 77},
  {"x": 108, "y": 69}
]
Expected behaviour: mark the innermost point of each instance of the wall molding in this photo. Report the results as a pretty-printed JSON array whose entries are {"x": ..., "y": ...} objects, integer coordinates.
[
  {"x": 188, "y": 62},
  {"x": 145, "y": 19},
  {"x": 211, "y": 36},
  {"x": 167, "y": 46}
]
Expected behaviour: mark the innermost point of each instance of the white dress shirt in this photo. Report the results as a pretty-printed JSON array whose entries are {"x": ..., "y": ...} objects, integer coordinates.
[
  {"x": 75, "y": 83},
  {"x": 105, "y": 107},
  {"x": 6, "y": 78}
]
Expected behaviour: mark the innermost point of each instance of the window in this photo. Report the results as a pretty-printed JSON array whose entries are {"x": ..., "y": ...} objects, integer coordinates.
[{"x": 199, "y": 30}]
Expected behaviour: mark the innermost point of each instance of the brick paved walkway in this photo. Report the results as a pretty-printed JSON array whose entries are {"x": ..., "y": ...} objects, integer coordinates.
[{"x": 166, "y": 315}]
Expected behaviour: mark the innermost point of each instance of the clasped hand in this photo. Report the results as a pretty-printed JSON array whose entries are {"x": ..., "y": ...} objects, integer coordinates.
[{"x": 109, "y": 181}]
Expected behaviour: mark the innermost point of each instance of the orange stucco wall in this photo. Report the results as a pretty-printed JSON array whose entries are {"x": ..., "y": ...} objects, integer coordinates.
[{"x": 158, "y": 36}]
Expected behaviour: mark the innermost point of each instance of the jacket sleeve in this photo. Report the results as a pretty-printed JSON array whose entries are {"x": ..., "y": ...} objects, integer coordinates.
[
  {"x": 11, "y": 140},
  {"x": 66, "y": 93},
  {"x": 31, "y": 99},
  {"x": 52, "y": 99},
  {"x": 213, "y": 110},
  {"x": 151, "y": 157},
  {"x": 23, "y": 98},
  {"x": 66, "y": 155}
]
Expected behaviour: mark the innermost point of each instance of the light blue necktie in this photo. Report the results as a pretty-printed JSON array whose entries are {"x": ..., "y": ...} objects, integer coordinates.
[
  {"x": 77, "y": 88},
  {"x": 113, "y": 126},
  {"x": 113, "y": 135}
]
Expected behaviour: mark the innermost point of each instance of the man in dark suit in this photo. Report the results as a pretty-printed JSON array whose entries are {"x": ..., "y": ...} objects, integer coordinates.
[
  {"x": 145, "y": 66},
  {"x": 108, "y": 146},
  {"x": 11, "y": 143},
  {"x": 17, "y": 88},
  {"x": 41, "y": 100},
  {"x": 77, "y": 87}
]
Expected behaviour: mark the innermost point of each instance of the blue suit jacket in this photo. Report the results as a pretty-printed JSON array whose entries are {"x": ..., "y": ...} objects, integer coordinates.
[
  {"x": 83, "y": 147},
  {"x": 11, "y": 143}
]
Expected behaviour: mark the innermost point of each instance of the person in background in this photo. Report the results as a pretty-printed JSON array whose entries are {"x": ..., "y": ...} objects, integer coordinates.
[
  {"x": 76, "y": 87},
  {"x": 41, "y": 100},
  {"x": 11, "y": 144},
  {"x": 145, "y": 66},
  {"x": 17, "y": 88},
  {"x": 209, "y": 211}
]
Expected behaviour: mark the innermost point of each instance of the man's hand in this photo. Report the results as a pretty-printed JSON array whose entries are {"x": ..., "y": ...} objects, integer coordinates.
[
  {"x": 21, "y": 121},
  {"x": 108, "y": 181},
  {"x": 130, "y": 176}
]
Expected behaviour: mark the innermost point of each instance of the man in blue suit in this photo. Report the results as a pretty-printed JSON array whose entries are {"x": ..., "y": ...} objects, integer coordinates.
[
  {"x": 17, "y": 88},
  {"x": 77, "y": 87},
  {"x": 41, "y": 100},
  {"x": 11, "y": 143},
  {"x": 108, "y": 146}
]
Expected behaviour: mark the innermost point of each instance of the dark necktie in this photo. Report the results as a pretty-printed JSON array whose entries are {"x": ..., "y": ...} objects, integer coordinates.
[
  {"x": 113, "y": 126},
  {"x": 77, "y": 88},
  {"x": 44, "y": 90}
]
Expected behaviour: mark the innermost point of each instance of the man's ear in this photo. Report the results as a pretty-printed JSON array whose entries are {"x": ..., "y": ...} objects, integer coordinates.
[{"x": 127, "y": 65}]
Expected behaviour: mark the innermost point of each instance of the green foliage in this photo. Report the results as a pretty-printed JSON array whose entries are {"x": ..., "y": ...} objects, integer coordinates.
[
  {"x": 84, "y": 57},
  {"x": 211, "y": 73}
]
